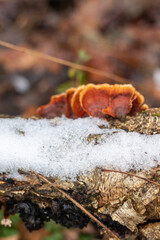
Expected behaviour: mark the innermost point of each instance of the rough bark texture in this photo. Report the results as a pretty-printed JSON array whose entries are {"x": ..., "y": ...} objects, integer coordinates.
[{"x": 124, "y": 203}]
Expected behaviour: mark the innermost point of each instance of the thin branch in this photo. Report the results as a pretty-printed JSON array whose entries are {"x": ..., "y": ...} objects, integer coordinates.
[
  {"x": 77, "y": 204},
  {"x": 132, "y": 174},
  {"x": 65, "y": 62}
]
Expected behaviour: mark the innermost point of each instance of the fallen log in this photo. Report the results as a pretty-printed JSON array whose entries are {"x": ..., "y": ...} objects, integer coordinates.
[{"x": 121, "y": 201}]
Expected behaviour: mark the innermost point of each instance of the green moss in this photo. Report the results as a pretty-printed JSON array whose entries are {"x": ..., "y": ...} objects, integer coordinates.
[
  {"x": 156, "y": 114},
  {"x": 64, "y": 86},
  {"x": 9, "y": 231}
]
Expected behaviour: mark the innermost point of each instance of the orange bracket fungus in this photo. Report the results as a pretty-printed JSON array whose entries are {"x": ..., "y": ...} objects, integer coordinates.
[
  {"x": 55, "y": 108},
  {"x": 120, "y": 100},
  {"x": 99, "y": 100},
  {"x": 75, "y": 103},
  {"x": 69, "y": 111},
  {"x": 95, "y": 98},
  {"x": 59, "y": 104}
]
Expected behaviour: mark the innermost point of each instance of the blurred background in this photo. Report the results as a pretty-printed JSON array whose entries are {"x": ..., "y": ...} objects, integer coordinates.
[{"x": 117, "y": 36}]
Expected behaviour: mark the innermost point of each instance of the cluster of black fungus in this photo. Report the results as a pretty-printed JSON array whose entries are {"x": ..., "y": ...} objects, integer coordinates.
[
  {"x": 31, "y": 214},
  {"x": 62, "y": 211},
  {"x": 67, "y": 214},
  {"x": 116, "y": 226}
]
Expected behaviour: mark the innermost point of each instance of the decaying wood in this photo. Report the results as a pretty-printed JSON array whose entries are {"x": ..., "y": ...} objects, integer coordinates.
[
  {"x": 130, "y": 201},
  {"x": 147, "y": 122}
]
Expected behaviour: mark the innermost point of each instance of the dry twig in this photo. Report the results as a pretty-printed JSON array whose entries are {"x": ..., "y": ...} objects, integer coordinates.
[
  {"x": 77, "y": 204},
  {"x": 131, "y": 174},
  {"x": 65, "y": 62}
]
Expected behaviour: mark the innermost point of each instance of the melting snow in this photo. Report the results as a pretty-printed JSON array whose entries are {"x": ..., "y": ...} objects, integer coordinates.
[
  {"x": 60, "y": 147},
  {"x": 156, "y": 78}
]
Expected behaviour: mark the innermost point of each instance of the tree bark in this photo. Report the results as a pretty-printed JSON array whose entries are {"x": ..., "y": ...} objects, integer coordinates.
[{"x": 119, "y": 200}]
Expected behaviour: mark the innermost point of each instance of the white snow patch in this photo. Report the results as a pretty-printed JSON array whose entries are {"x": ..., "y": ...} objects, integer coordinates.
[
  {"x": 60, "y": 147},
  {"x": 156, "y": 77}
]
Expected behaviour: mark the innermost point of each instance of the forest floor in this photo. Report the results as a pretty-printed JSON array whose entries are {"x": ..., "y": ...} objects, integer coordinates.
[{"x": 118, "y": 37}]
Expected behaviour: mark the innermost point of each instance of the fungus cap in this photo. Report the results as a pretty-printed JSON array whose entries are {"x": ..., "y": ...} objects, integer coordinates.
[
  {"x": 137, "y": 104},
  {"x": 120, "y": 100},
  {"x": 69, "y": 110},
  {"x": 75, "y": 102},
  {"x": 55, "y": 108},
  {"x": 94, "y": 98}
]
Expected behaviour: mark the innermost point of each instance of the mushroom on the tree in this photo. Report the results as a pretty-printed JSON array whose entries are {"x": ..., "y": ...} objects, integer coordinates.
[
  {"x": 120, "y": 100},
  {"x": 60, "y": 104},
  {"x": 93, "y": 100},
  {"x": 75, "y": 102},
  {"x": 55, "y": 108}
]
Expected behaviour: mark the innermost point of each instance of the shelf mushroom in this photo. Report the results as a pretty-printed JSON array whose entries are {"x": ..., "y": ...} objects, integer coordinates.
[{"x": 99, "y": 100}]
